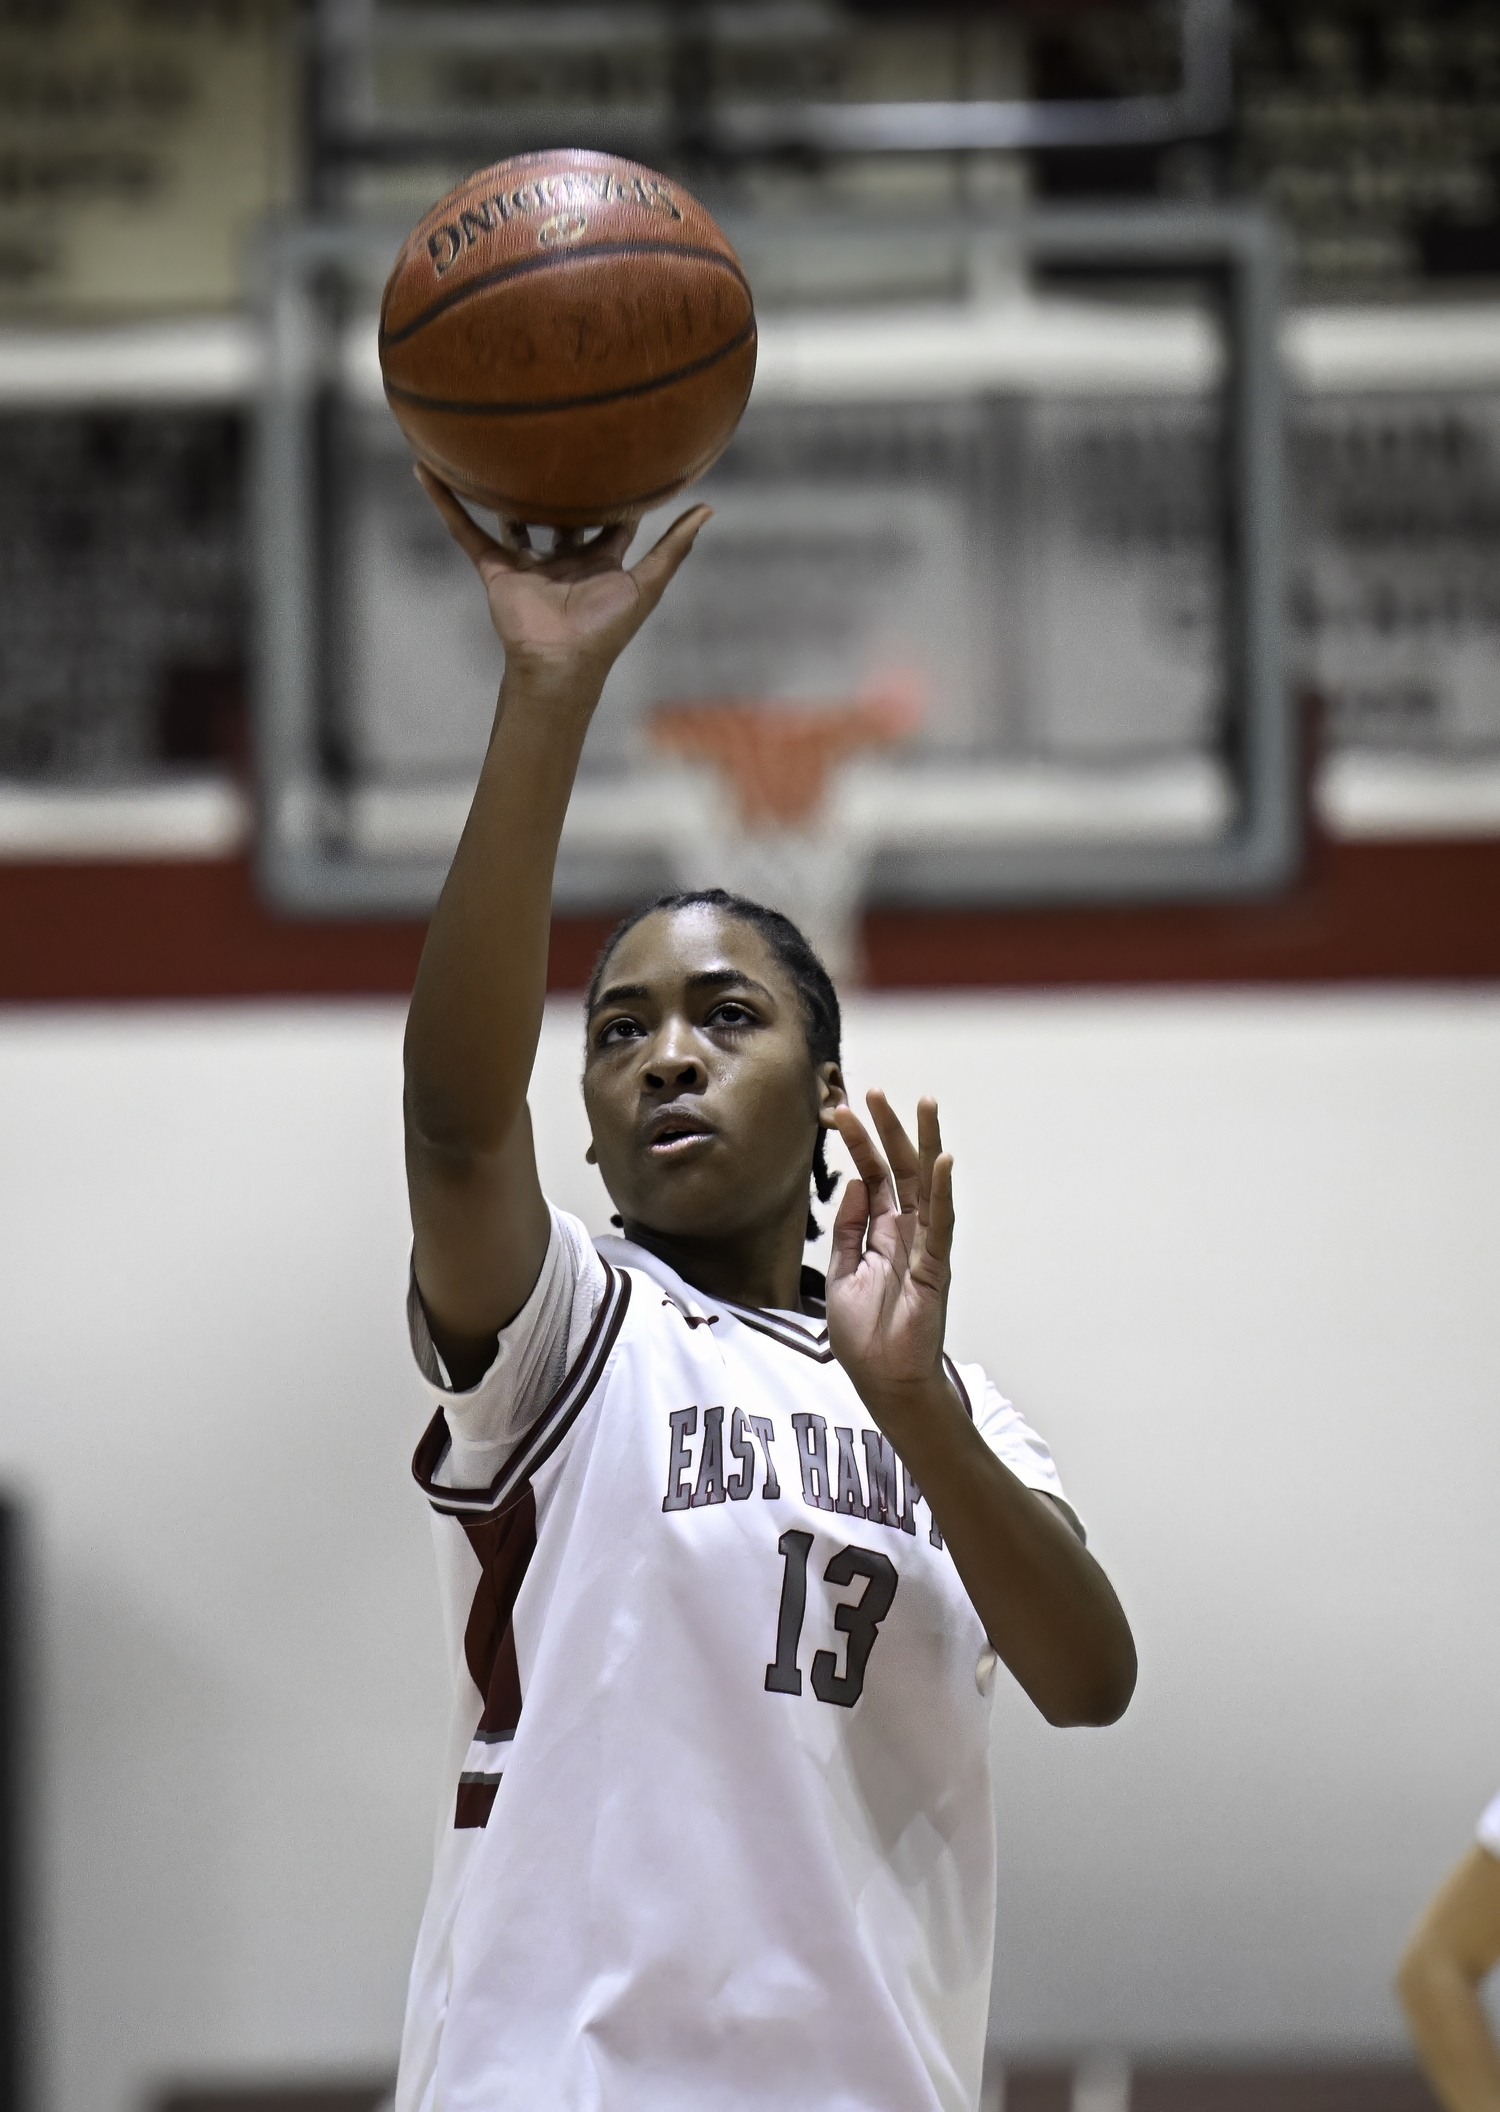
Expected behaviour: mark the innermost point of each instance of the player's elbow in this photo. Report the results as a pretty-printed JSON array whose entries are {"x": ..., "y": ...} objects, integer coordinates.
[
  {"x": 1439, "y": 1994},
  {"x": 1426, "y": 1977},
  {"x": 1101, "y": 1708},
  {"x": 1098, "y": 1693},
  {"x": 1417, "y": 1983},
  {"x": 449, "y": 1137}
]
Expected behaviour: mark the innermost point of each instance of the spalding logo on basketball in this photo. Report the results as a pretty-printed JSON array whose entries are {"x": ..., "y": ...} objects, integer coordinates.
[{"x": 568, "y": 339}]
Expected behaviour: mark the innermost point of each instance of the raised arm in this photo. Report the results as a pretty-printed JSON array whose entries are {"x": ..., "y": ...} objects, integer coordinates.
[
  {"x": 479, "y": 1222},
  {"x": 1047, "y": 1606}
]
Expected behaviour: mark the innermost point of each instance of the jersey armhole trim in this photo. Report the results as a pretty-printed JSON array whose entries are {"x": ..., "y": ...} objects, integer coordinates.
[
  {"x": 958, "y": 1386},
  {"x": 545, "y": 1434}
]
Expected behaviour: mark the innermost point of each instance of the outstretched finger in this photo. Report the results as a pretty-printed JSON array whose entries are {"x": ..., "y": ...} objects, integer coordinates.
[
  {"x": 937, "y": 1226},
  {"x": 847, "y": 1240},
  {"x": 868, "y": 1164},
  {"x": 898, "y": 1146},
  {"x": 929, "y": 1145},
  {"x": 652, "y": 572},
  {"x": 465, "y": 531}
]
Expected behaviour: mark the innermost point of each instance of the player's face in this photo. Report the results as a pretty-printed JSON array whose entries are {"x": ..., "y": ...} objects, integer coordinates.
[{"x": 703, "y": 1099}]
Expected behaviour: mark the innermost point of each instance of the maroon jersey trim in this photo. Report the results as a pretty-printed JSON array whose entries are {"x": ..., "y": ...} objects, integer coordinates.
[{"x": 545, "y": 1434}]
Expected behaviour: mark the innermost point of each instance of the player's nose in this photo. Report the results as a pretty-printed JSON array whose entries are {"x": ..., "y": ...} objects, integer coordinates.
[{"x": 671, "y": 1060}]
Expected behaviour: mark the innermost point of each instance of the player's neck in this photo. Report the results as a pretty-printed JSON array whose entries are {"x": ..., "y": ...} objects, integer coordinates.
[{"x": 759, "y": 1268}]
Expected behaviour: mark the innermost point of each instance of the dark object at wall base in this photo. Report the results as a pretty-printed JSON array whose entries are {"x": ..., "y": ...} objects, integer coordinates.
[
  {"x": 1380, "y": 2087},
  {"x": 1384, "y": 2087},
  {"x": 303, "y": 2097}
]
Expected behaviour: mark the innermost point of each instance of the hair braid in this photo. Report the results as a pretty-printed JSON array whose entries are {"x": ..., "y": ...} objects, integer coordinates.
[{"x": 814, "y": 985}]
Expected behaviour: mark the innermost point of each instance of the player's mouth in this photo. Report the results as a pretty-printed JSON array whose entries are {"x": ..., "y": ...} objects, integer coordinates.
[{"x": 673, "y": 1134}]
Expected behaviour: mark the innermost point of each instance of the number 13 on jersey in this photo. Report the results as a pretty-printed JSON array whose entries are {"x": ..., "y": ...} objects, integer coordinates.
[{"x": 859, "y": 1619}]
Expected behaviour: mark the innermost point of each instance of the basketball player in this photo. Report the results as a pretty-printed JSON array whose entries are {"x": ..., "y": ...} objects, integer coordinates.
[
  {"x": 1453, "y": 1949},
  {"x": 728, "y": 1570}
]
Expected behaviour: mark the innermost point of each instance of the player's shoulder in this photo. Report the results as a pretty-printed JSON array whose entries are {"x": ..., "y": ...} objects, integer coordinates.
[
  {"x": 1010, "y": 1435},
  {"x": 975, "y": 1388},
  {"x": 995, "y": 1415}
]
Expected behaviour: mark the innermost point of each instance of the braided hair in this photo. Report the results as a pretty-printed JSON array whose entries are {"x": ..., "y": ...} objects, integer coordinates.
[{"x": 820, "y": 1003}]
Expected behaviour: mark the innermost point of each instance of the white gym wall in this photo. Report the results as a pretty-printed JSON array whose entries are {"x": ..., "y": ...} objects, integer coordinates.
[{"x": 1236, "y": 1256}]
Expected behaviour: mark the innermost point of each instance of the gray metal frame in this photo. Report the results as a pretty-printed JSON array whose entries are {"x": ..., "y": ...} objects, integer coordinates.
[
  {"x": 1262, "y": 849},
  {"x": 350, "y": 129},
  {"x": 303, "y": 864}
]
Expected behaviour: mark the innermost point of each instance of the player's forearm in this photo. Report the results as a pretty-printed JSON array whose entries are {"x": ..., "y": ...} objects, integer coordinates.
[
  {"x": 1047, "y": 1606},
  {"x": 1451, "y": 2032},
  {"x": 477, "y": 1004}
]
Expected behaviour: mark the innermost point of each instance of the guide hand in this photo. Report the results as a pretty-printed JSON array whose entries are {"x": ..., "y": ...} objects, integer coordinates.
[
  {"x": 572, "y": 609},
  {"x": 888, "y": 1273}
]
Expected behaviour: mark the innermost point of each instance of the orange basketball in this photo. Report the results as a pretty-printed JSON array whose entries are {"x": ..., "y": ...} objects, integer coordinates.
[{"x": 567, "y": 339}]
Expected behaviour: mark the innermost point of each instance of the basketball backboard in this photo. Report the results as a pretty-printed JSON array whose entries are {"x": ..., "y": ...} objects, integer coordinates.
[{"x": 1051, "y": 518}]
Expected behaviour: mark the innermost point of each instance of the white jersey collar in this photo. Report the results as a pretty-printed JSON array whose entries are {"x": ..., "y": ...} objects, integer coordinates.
[{"x": 798, "y": 1329}]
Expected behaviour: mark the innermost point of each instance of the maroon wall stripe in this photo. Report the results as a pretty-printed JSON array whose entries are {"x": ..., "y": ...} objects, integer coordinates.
[
  {"x": 1361, "y": 912},
  {"x": 1377, "y": 912}
]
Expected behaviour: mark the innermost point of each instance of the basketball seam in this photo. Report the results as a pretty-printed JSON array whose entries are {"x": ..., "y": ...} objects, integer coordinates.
[
  {"x": 569, "y": 403},
  {"x": 549, "y": 261}
]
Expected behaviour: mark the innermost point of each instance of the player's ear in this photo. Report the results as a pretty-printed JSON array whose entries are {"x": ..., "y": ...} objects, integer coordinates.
[
  {"x": 591, "y": 1157},
  {"x": 831, "y": 1093}
]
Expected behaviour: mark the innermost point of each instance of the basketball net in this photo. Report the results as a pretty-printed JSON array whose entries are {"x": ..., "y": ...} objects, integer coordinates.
[{"x": 771, "y": 835}]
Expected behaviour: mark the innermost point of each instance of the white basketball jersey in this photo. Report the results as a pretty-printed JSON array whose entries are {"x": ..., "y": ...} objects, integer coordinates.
[{"x": 722, "y": 1836}]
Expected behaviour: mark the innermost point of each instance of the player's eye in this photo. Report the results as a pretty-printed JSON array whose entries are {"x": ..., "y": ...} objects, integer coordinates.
[
  {"x": 731, "y": 1013},
  {"x": 615, "y": 1031}
]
